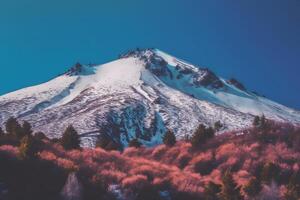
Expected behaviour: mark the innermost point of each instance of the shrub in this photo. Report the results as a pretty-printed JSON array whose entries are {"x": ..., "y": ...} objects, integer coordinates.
[
  {"x": 135, "y": 143},
  {"x": 70, "y": 139},
  {"x": 230, "y": 190},
  {"x": 135, "y": 182},
  {"x": 203, "y": 163},
  {"x": 40, "y": 136},
  {"x": 28, "y": 148},
  {"x": 11, "y": 150},
  {"x": 107, "y": 143},
  {"x": 253, "y": 188},
  {"x": 211, "y": 191},
  {"x": 148, "y": 192},
  {"x": 270, "y": 172},
  {"x": 293, "y": 187},
  {"x": 169, "y": 138}
]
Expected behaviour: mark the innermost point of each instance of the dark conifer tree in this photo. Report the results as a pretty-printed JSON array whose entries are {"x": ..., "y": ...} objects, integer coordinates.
[
  {"x": 113, "y": 146},
  {"x": 211, "y": 191},
  {"x": 218, "y": 125},
  {"x": 253, "y": 188},
  {"x": 1, "y": 132},
  {"x": 40, "y": 136},
  {"x": 230, "y": 190},
  {"x": 293, "y": 187},
  {"x": 209, "y": 133},
  {"x": 70, "y": 139},
  {"x": 13, "y": 127},
  {"x": 135, "y": 143},
  {"x": 256, "y": 121},
  {"x": 201, "y": 135},
  {"x": 103, "y": 141},
  {"x": 169, "y": 138},
  {"x": 270, "y": 172},
  {"x": 26, "y": 128},
  {"x": 198, "y": 137},
  {"x": 107, "y": 143}
]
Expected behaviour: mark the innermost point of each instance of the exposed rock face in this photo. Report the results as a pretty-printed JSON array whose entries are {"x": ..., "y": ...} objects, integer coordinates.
[
  {"x": 72, "y": 189},
  {"x": 236, "y": 83},
  {"x": 75, "y": 70},
  {"x": 206, "y": 79}
]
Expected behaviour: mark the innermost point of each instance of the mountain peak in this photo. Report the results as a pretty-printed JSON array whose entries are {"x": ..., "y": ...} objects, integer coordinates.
[{"x": 140, "y": 95}]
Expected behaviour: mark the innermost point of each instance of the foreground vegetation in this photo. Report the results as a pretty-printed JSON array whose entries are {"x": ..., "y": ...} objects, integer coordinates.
[{"x": 262, "y": 162}]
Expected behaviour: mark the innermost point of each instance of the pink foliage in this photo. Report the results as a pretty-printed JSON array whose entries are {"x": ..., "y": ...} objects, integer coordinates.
[
  {"x": 112, "y": 176},
  {"x": 181, "y": 167},
  {"x": 242, "y": 177},
  {"x": 135, "y": 182},
  {"x": 11, "y": 150},
  {"x": 61, "y": 162}
]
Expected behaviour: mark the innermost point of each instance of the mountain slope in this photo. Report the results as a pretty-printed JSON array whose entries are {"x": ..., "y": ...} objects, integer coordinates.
[{"x": 139, "y": 95}]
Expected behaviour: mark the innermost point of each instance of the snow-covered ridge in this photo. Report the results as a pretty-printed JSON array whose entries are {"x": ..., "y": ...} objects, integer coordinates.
[{"x": 139, "y": 95}]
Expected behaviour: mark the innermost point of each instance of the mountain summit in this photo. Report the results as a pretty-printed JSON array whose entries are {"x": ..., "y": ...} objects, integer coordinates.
[{"x": 140, "y": 95}]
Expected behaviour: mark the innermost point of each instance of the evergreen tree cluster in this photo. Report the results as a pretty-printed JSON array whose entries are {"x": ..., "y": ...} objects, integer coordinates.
[
  {"x": 228, "y": 190},
  {"x": 107, "y": 143},
  {"x": 135, "y": 143},
  {"x": 293, "y": 187},
  {"x": 169, "y": 138},
  {"x": 70, "y": 139},
  {"x": 14, "y": 128},
  {"x": 260, "y": 122},
  {"x": 201, "y": 135}
]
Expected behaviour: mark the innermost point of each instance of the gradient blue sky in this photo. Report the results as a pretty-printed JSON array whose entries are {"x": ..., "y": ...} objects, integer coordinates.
[{"x": 256, "y": 41}]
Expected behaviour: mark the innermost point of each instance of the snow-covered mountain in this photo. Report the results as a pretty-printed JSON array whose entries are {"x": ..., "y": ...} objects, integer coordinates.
[{"x": 139, "y": 95}]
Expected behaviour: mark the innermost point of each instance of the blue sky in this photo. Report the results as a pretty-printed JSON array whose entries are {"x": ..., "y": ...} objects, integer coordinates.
[{"x": 257, "y": 42}]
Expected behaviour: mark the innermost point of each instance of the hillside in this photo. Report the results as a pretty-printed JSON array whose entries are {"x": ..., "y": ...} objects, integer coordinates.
[{"x": 262, "y": 164}]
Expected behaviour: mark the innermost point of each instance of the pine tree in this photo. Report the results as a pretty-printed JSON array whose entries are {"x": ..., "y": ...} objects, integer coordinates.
[
  {"x": 13, "y": 127},
  {"x": 253, "y": 188},
  {"x": 260, "y": 122},
  {"x": 270, "y": 172},
  {"x": 70, "y": 139},
  {"x": 201, "y": 135},
  {"x": 230, "y": 190},
  {"x": 103, "y": 141},
  {"x": 218, "y": 125},
  {"x": 169, "y": 138},
  {"x": 198, "y": 137},
  {"x": 40, "y": 136},
  {"x": 256, "y": 121},
  {"x": 293, "y": 187},
  {"x": 211, "y": 191},
  {"x": 1, "y": 132},
  {"x": 134, "y": 143},
  {"x": 107, "y": 143},
  {"x": 26, "y": 128},
  {"x": 28, "y": 148},
  {"x": 209, "y": 132},
  {"x": 263, "y": 121}
]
